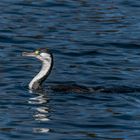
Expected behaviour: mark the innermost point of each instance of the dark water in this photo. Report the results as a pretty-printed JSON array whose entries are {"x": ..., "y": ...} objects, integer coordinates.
[{"x": 95, "y": 43}]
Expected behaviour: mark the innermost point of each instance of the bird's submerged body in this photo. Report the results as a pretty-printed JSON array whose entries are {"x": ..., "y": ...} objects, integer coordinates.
[
  {"x": 47, "y": 63},
  {"x": 74, "y": 88}
]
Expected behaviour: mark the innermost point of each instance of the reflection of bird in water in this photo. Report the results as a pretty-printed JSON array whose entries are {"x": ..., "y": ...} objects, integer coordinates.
[
  {"x": 47, "y": 63},
  {"x": 41, "y": 112}
]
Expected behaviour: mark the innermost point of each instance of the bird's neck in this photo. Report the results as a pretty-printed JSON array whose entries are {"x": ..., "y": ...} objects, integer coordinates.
[{"x": 41, "y": 76}]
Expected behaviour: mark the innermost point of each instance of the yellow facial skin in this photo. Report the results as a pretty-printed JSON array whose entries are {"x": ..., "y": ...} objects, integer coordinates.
[{"x": 36, "y": 52}]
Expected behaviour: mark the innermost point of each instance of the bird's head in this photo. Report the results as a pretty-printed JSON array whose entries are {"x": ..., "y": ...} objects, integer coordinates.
[{"x": 42, "y": 54}]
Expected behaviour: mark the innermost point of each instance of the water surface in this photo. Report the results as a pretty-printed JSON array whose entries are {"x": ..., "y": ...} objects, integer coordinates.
[{"x": 94, "y": 43}]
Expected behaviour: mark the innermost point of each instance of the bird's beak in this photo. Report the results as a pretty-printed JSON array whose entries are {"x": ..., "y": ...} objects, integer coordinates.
[{"x": 32, "y": 54}]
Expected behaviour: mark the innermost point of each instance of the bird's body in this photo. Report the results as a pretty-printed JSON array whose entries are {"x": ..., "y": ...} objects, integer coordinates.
[{"x": 47, "y": 63}]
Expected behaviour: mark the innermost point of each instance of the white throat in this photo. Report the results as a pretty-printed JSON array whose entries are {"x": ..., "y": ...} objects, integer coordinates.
[{"x": 36, "y": 81}]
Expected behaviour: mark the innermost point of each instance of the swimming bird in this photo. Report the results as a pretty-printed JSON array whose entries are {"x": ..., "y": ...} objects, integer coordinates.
[{"x": 46, "y": 57}]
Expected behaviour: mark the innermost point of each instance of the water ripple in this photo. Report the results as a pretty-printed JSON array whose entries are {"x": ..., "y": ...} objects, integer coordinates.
[{"x": 95, "y": 44}]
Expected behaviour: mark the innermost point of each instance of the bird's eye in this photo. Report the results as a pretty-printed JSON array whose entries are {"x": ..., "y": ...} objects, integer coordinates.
[{"x": 36, "y": 52}]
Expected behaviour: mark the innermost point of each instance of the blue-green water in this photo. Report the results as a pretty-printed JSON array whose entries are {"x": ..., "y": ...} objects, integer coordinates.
[{"x": 94, "y": 43}]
